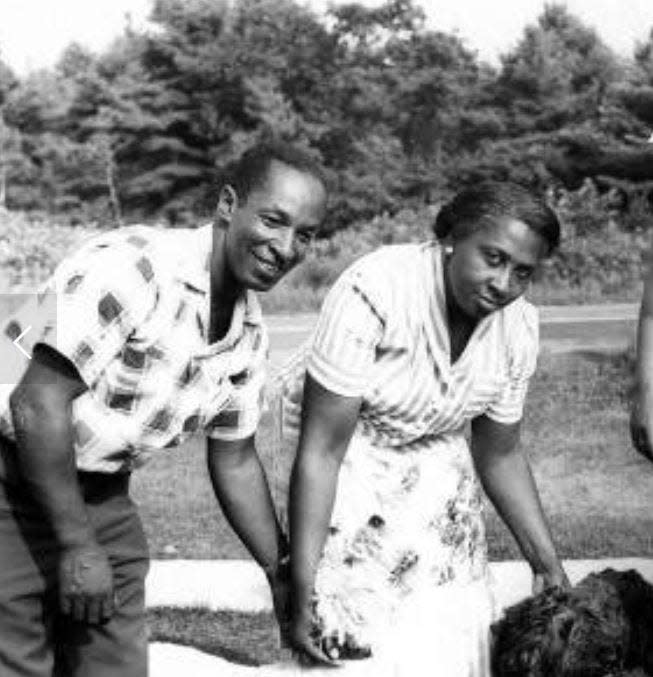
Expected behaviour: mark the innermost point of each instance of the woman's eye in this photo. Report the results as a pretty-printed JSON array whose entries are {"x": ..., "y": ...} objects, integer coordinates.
[{"x": 523, "y": 274}]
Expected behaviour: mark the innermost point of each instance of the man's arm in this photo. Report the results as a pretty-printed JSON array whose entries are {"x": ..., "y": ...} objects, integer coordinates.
[
  {"x": 506, "y": 477},
  {"x": 641, "y": 417},
  {"x": 41, "y": 411},
  {"x": 241, "y": 487}
]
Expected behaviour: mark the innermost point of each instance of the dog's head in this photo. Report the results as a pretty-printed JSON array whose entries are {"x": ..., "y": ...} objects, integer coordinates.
[{"x": 558, "y": 634}]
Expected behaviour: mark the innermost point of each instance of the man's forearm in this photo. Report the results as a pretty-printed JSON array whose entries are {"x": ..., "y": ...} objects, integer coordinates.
[
  {"x": 46, "y": 462},
  {"x": 242, "y": 490}
]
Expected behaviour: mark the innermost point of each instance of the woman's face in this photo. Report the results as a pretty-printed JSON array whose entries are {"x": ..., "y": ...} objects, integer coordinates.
[{"x": 492, "y": 266}]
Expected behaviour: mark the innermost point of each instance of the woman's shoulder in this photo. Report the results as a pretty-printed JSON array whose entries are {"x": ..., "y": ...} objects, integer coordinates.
[
  {"x": 392, "y": 261},
  {"x": 521, "y": 327}
]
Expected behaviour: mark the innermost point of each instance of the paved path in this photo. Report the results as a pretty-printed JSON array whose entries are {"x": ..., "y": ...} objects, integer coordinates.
[
  {"x": 240, "y": 586},
  {"x": 609, "y": 327}
]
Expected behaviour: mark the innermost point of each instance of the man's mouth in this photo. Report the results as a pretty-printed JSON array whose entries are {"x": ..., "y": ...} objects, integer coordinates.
[{"x": 268, "y": 265}]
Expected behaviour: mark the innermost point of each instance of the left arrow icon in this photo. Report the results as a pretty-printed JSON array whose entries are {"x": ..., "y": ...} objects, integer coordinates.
[{"x": 22, "y": 350}]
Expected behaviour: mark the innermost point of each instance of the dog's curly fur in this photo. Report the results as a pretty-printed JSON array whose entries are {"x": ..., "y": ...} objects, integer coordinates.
[{"x": 602, "y": 627}]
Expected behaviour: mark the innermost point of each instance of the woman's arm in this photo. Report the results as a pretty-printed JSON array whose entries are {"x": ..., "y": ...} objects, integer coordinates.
[
  {"x": 328, "y": 422},
  {"x": 506, "y": 477}
]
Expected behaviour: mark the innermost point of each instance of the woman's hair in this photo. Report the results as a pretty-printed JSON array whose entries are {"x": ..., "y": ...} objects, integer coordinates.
[{"x": 488, "y": 201}]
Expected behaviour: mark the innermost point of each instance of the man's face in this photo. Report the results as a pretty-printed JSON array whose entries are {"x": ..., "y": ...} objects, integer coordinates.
[
  {"x": 270, "y": 231},
  {"x": 493, "y": 266}
]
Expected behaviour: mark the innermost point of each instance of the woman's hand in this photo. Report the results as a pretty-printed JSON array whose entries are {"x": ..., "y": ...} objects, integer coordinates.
[
  {"x": 554, "y": 578},
  {"x": 280, "y": 588},
  {"x": 306, "y": 642}
]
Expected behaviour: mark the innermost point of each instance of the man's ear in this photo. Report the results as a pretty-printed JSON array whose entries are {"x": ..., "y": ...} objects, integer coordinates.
[{"x": 227, "y": 204}]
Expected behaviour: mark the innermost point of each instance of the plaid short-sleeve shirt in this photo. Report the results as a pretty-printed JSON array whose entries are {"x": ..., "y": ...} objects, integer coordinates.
[{"x": 131, "y": 311}]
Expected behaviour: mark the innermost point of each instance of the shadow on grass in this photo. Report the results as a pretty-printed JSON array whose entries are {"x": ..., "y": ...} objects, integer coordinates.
[{"x": 243, "y": 638}]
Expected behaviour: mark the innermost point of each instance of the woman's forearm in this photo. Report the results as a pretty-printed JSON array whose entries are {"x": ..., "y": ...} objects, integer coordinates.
[
  {"x": 507, "y": 479},
  {"x": 312, "y": 494},
  {"x": 509, "y": 484}
]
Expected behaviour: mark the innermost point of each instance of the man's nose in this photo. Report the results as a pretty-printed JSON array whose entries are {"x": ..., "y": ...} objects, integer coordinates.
[{"x": 284, "y": 243}]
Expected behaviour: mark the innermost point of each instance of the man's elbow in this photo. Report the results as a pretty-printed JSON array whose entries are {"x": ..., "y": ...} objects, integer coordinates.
[{"x": 32, "y": 405}]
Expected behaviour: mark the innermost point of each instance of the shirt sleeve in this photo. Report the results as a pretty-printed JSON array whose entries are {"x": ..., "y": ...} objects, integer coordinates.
[
  {"x": 524, "y": 347},
  {"x": 240, "y": 417},
  {"x": 348, "y": 331},
  {"x": 94, "y": 301}
]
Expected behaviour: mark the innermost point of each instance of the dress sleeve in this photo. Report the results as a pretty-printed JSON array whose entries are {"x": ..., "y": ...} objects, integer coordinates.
[
  {"x": 348, "y": 331},
  {"x": 523, "y": 337},
  {"x": 94, "y": 301}
]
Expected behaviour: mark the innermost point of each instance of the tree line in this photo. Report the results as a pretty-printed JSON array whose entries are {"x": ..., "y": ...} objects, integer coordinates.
[{"x": 399, "y": 113}]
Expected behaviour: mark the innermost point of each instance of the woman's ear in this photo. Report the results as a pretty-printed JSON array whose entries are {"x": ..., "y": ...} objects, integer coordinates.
[{"x": 227, "y": 204}]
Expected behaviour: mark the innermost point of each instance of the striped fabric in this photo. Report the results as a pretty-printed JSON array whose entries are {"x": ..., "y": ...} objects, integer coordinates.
[
  {"x": 406, "y": 531},
  {"x": 382, "y": 336},
  {"x": 131, "y": 311}
]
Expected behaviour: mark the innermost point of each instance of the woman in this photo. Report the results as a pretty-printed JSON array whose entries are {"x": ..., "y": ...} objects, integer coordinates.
[{"x": 388, "y": 558}]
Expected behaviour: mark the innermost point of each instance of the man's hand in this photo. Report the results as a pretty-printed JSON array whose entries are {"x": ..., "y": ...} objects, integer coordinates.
[
  {"x": 86, "y": 584},
  {"x": 641, "y": 427}
]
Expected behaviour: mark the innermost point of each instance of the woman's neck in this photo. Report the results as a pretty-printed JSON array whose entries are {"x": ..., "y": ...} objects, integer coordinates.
[{"x": 460, "y": 325}]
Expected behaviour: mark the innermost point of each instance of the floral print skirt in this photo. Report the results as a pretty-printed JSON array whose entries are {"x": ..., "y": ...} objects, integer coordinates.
[{"x": 402, "y": 586}]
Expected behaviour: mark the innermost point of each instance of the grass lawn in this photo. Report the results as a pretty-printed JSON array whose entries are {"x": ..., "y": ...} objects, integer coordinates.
[{"x": 596, "y": 490}]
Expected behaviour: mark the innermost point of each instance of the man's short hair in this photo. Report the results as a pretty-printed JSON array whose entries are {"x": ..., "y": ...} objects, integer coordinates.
[{"x": 251, "y": 170}]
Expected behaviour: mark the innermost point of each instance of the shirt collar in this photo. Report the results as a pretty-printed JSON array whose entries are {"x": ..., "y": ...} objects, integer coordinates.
[
  {"x": 194, "y": 262},
  {"x": 194, "y": 269}
]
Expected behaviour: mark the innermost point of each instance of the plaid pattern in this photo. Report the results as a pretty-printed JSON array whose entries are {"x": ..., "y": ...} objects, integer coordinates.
[{"x": 130, "y": 310}]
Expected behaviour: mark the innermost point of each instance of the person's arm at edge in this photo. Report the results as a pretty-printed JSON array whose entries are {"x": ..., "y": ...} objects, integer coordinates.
[
  {"x": 641, "y": 419},
  {"x": 505, "y": 474},
  {"x": 41, "y": 412},
  {"x": 328, "y": 422}
]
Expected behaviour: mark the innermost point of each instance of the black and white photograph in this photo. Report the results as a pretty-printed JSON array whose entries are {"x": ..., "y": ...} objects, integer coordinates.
[{"x": 326, "y": 338}]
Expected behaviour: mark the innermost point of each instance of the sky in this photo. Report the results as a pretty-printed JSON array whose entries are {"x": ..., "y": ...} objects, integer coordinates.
[{"x": 33, "y": 33}]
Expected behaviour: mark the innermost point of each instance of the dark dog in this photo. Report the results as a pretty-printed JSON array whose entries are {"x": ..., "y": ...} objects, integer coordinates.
[{"x": 602, "y": 627}]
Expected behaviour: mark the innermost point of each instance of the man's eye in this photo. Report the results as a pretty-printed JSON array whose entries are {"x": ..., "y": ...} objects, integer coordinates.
[
  {"x": 493, "y": 258},
  {"x": 304, "y": 236},
  {"x": 271, "y": 221}
]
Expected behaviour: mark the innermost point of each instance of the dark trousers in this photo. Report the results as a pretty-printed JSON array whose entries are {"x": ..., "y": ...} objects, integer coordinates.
[{"x": 37, "y": 641}]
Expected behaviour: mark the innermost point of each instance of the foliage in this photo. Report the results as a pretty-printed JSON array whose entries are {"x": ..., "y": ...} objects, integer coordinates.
[{"x": 399, "y": 113}]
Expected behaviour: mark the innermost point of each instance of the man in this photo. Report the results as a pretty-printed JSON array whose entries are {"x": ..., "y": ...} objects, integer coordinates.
[
  {"x": 641, "y": 416},
  {"x": 156, "y": 335}
]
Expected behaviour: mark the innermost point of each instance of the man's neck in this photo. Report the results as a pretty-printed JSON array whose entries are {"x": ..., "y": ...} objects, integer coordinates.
[{"x": 225, "y": 289}]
